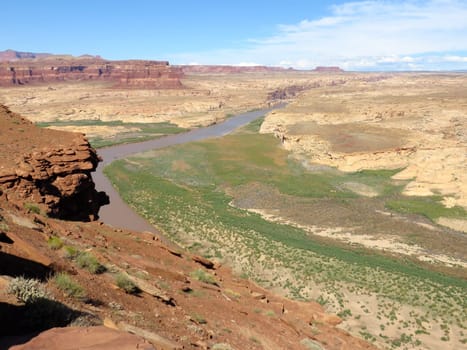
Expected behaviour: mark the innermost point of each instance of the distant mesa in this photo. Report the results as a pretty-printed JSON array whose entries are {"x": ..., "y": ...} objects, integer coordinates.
[
  {"x": 12, "y": 55},
  {"x": 328, "y": 69},
  {"x": 25, "y": 68}
]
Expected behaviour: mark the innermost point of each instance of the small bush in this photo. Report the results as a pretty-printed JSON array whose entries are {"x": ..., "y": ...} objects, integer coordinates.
[
  {"x": 27, "y": 290},
  {"x": 3, "y": 224},
  {"x": 32, "y": 208},
  {"x": 55, "y": 243},
  {"x": 65, "y": 283},
  {"x": 204, "y": 276},
  {"x": 89, "y": 262},
  {"x": 70, "y": 252},
  {"x": 125, "y": 283}
]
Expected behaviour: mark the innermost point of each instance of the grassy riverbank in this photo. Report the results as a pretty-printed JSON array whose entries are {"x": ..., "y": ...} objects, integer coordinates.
[
  {"x": 207, "y": 196},
  {"x": 123, "y": 132}
]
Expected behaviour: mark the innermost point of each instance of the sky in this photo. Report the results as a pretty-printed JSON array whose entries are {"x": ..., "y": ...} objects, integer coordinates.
[{"x": 370, "y": 35}]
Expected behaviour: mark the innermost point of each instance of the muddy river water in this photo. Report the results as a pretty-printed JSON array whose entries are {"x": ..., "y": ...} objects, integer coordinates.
[{"x": 118, "y": 213}]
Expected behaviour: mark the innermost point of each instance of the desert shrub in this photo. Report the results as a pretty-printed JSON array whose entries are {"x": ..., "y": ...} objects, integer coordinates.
[
  {"x": 89, "y": 262},
  {"x": 32, "y": 208},
  {"x": 55, "y": 242},
  {"x": 204, "y": 276},
  {"x": 125, "y": 283},
  {"x": 65, "y": 283},
  {"x": 27, "y": 290},
  {"x": 70, "y": 252},
  {"x": 3, "y": 224}
]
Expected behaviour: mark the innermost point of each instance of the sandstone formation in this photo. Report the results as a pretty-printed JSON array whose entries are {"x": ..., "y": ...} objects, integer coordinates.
[
  {"x": 330, "y": 69},
  {"x": 412, "y": 122},
  {"x": 11, "y": 55},
  {"x": 129, "y": 74},
  {"x": 89, "y": 338},
  {"x": 52, "y": 173}
]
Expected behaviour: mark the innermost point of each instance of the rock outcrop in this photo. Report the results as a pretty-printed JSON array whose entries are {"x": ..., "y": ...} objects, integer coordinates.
[
  {"x": 328, "y": 69},
  {"x": 130, "y": 74},
  {"x": 50, "y": 171},
  {"x": 90, "y": 338},
  {"x": 12, "y": 55}
]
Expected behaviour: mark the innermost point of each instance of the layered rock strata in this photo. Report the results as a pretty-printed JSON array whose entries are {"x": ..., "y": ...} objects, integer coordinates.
[
  {"x": 132, "y": 73},
  {"x": 49, "y": 171}
]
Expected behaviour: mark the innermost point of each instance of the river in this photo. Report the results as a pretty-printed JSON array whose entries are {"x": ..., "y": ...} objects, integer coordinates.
[{"x": 118, "y": 214}]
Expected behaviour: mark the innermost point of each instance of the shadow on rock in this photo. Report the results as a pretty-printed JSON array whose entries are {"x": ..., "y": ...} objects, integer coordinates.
[
  {"x": 19, "y": 323},
  {"x": 14, "y": 266}
]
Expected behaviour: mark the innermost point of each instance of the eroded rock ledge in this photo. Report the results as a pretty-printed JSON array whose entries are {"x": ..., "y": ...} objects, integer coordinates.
[{"x": 48, "y": 170}]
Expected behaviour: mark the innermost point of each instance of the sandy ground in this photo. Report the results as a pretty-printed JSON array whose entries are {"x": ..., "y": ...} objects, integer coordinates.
[
  {"x": 204, "y": 100},
  {"x": 389, "y": 243}
]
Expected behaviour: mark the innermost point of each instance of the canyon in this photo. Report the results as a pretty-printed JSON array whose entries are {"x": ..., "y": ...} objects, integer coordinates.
[
  {"x": 184, "y": 300},
  {"x": 377, "y": 161}
]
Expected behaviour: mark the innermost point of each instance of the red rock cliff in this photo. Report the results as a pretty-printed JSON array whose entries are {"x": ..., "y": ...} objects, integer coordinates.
[
  {"x": 132, "y": 73},
  {"x": 47, "y": 169}
]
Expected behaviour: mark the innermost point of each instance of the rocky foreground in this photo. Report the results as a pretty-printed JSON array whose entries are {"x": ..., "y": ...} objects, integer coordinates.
[{"x": 176, "y": 301}]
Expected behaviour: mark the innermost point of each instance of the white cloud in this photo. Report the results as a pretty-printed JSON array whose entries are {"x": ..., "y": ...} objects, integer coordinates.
[
  {"x": 360, "y": 35},
  {"x": 455, "y": 58}
]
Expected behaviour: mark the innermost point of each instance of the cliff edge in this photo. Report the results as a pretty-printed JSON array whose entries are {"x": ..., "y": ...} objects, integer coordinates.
[{"x": 47, "y": 169}]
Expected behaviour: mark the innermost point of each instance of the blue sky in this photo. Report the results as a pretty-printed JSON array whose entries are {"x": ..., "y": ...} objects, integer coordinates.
[{"x": 356, "y": 35}]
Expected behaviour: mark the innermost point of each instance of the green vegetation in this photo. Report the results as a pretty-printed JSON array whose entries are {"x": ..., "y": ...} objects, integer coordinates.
[
  {"x": 27, "y": 290},
  {"x": 430, "y": 207},
  {"x": 65, "y": 283},
  {"x": 33, "y": 208},
  {"x": 254, "y": 126},
  {"x": 70, "y": 252},
  {"x": 145, "y": 131},
  {"x": 3, "y": 224},
  {"x": 89, "y": 262},
  {"x": 192, "y": 192},
  {"x": 126, "y": 284},
  {"x": 55, "y": 242},
  {"x": 203, "y": 276}
]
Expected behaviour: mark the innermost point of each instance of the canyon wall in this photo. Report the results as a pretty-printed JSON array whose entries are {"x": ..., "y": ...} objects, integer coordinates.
[{"x": 130, "y": 73}]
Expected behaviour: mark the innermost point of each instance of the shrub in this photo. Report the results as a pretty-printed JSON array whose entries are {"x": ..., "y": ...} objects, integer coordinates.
[
  {"x": 3, "y": 224},
  {"x": 27, "y": 290},
  {"x": 32, "y": 208},
  {"x": 70, "y": 252},
  {"x": 65, "y": 283},
  {"x": 125, "y": 283},
  {"x": 204, "y": 276},
  {"x": 89, "y": 262},
  {"x": 55, "y": 242}
]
